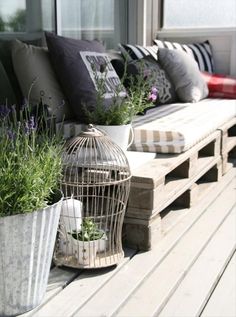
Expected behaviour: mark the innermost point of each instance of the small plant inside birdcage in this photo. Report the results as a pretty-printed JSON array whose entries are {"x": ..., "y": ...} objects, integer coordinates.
[{"x": 89, "y": 231}]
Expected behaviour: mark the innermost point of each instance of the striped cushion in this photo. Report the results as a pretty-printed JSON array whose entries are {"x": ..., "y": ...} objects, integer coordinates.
[
  {"x": 171, "y": 128},
  {"x": 201, "y": 52},
  {"x": 175, "y": 128},
  {"x": 132, "y": 52}
]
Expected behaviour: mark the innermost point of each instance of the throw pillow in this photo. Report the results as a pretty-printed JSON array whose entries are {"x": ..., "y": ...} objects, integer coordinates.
[
  {"x": 152, "y": 72},
  {"x": 5, "y": 57},
  {"x": 7, "y": 95},
  {"x": 131, "y": 52},
  {"x": 183, "y": 71},
  {"x": 78, "y": 63},
  {"x": 201, "y": 52},
  {"x": 220, "y": 86},
  {"x": 36, "y": 75}
]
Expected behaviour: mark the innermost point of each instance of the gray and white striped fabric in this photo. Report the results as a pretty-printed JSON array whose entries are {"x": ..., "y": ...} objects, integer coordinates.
[
  {"x": 175, "y": 128},
  {"x": 172, "y": 128},
  {"x": 131, "y": 52},
  {"x": 201, "y": 52}
]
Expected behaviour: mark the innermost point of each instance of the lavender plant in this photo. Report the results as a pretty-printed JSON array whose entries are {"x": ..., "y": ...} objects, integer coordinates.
[
  {"x": 30, "y": 160},
  {"x": 140, "y": 95}
]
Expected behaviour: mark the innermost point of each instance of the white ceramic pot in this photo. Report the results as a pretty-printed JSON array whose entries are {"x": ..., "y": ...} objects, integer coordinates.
[
  {"x": 85, "y": 251},
  {"x": 122, "y": 135}
]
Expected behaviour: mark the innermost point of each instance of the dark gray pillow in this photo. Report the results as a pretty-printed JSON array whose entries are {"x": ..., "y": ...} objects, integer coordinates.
[
  {"x": 73, "y": 61},
  {"x": 32, "y": 65},
  {"x": 184, "y": 73},
  {"x": 7, "y": 95},
  {"x": 157, "y": 77}
]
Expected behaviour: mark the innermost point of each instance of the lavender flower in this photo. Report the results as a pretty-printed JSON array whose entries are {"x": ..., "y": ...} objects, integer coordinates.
[
  {"x": 11, "y": 134},
  {"x": 30, "y": 125},
  {"x": 4, "y": 111},
  {"x": 152, "y": 97}
]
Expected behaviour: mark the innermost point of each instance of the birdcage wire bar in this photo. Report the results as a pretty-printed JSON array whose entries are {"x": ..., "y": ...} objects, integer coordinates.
[{"x": 96, "y": 184}]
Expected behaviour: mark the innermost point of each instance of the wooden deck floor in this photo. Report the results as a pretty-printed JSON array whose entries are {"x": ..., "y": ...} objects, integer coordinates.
[{"x": 190, "y": 272}]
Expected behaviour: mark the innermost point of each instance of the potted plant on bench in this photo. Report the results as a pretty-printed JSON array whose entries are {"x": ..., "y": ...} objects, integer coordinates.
[
  {"x": 30, "y": 170},
  {"x": 126, "y": 104}
]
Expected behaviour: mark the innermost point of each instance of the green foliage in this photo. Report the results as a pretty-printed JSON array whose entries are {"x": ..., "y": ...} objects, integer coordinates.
[
  {"x": 2, "y": 25},
  {"x": 89, "y": 231},
  {"x": 17, "y": 22},
  {"x": 122, "y": 109},
  {"x": 30, "y": 161}
]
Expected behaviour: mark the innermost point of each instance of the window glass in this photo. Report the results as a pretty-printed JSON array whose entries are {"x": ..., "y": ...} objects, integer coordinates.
[
  {"x": 12, "y": 16},
  {"x": 199, "y": 13},
  {"x": 104, "y": 20}
]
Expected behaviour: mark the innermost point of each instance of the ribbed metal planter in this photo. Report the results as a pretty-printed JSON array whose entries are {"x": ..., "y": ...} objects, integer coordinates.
[{"x": 26, "y": 248}]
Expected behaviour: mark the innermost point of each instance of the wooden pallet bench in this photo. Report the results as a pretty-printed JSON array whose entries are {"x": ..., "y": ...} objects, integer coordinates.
[
  {"x": 166, "y": 180},
  {"x": 228, "y": 144}
]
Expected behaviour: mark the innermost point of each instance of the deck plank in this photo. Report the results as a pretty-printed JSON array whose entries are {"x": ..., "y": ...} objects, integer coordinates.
[
  {"x": 132, "y": 276},
  {"x": 194, "y": 291},
  {"x": 58, "y": 279},
  {"x": 223, "y": 300},
  {"x": 119, "y": 284},
  {"x": 166, "y": 278},
  {"x": 80, "y": 290}
]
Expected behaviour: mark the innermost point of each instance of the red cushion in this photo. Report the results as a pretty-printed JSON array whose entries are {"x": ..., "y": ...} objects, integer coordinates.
[{"x": 220, "y": 86}]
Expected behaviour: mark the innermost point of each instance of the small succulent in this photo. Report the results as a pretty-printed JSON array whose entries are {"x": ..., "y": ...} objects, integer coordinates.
[{"x": 89, "y": 231}]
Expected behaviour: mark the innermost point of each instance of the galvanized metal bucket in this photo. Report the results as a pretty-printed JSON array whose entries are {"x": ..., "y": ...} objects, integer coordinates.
[{"x": 26, "y": 248}]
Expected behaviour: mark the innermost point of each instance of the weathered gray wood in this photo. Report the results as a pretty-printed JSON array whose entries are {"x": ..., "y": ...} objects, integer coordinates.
[
  {"x": 223, "y": 300},
  {"x": 123, "y": 281},
  {"x": 148, "y": 202},
  {"x": 128, "y": 280},
  {"x": 150, "y": 173},
  {"x": 196, "y": 288},
  {"x": 167, "y": 276},
  {"x": 80, "y": 291},
  {"x": 58, "y": 279}
]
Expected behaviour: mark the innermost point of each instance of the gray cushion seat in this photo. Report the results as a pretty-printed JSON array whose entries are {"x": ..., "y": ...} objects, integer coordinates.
[{"x": 175, "y": 128}]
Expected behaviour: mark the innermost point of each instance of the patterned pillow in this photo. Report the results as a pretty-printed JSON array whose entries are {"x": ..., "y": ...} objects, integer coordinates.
[
  {"x": 131, "y": 52},
  {"x": 220, "y": 86},
  {"x": 150, "y": 70},
  {"x": 201, "y": 52},
  {"x": 75, "y": 62}
]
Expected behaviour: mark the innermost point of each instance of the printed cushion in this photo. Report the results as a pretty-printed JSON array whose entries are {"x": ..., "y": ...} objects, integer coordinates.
[
  {"x": 220, "y": 86},
  {"x": 78, "y": 64},
  {"x": 157, "y": 77},
  {"x": 184, "y": 73},
  {"x": 201, "y": 52},
  {"x": 131, "y": 52},
  {"x": 35, "y": 75}
]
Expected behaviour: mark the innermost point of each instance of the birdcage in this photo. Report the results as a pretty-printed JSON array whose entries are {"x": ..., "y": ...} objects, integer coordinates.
[{"x": 96, "y": 184}]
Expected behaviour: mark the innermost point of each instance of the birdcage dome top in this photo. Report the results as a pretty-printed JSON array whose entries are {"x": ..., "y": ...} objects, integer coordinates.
[{"x": 93, "y": 158}]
